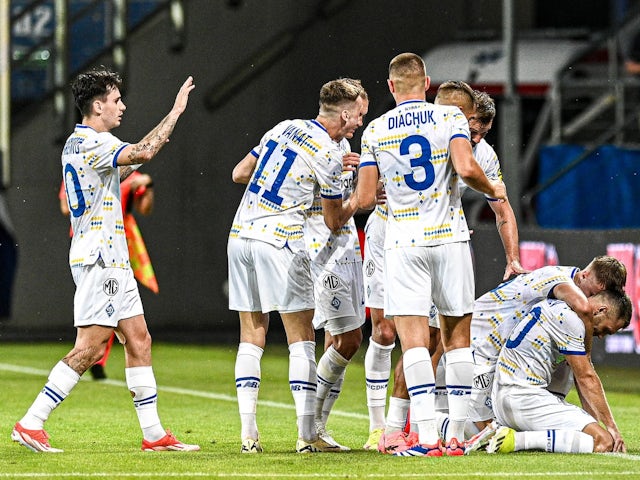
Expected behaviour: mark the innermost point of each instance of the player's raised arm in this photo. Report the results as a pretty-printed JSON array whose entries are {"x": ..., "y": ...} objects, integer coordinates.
[
  {"x": 244, "y": 169},
  {"x": 150, "y": 145}
]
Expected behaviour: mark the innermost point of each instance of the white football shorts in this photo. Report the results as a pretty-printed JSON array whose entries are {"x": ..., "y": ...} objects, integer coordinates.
[
  {"x": 416, "y": 276},
  {"x": 104, "y": 295},
  {"x": 373, "y": 266},
  {"x": 338, "y": 297},
  {"x": 480, "y": 407},
  {"x": 534, "y": 408},
  {"x": 266, "y": 278}
]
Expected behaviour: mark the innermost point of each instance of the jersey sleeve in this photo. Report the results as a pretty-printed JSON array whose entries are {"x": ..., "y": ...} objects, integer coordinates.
[
  {"x": 328, "y": 170},
  {"x": 459, "y": 124},
  {"x": 368, "y": 149},
  {"x": 103, "y": 154}
]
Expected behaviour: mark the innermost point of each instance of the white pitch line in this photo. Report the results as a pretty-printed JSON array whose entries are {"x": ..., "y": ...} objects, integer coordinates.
[
  {"x": 624, "y": 456},
  {"x": 181, "y": 391},
  {"x": 305, "y": 475}
]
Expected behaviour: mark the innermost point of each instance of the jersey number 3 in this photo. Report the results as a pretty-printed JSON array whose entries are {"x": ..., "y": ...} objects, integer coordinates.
[{"x": 422, "y": 161}]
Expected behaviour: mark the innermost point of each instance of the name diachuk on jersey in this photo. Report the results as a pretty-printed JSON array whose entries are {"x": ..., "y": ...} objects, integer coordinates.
[{"x": 411, "y": 118}]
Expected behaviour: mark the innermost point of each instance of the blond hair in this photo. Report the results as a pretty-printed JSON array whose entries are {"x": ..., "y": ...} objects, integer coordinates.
[{"x": 334, "y": 95}]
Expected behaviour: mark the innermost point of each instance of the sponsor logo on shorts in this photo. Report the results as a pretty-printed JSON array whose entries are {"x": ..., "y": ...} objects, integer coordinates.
[
  {"x": 481, "y": 382},
  {"x": 110, "y": 286},
  {"x": 331, "y": 282},
  {"x": 369, "y": 268}
]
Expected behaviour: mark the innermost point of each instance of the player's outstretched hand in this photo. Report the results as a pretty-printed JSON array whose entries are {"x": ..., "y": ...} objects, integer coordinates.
[{"x": 183, "y": 96}]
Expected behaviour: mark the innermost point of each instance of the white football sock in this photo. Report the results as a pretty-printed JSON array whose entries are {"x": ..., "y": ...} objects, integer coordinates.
[
  {"x": 303, "y": 382},
  {"x": 459, "y": 375},
  {"x": 559, "y": 441},
  {"x": 247, "y": 371},
  {"x": 397, "y": 416},
  {"x": 62, "y": 379},
  {"x": 331, "y": 368},
  {"x": 142, "y": 385},
  {"x": 418, "y": 374},
  {"x": 442, "y": 401},
  {"x": 377, "y": 368}
]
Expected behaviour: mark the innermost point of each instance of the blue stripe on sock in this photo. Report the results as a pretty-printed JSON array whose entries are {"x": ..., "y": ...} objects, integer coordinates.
[
  {"x": 55, "y": 396},
  {"x": 370, "y": 380}
]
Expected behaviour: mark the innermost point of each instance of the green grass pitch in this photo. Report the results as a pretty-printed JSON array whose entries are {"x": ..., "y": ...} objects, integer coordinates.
[{"x": 98, "y": 429}]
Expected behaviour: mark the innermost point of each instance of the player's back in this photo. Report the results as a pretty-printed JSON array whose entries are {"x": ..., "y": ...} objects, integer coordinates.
[
  {"x": 295, "y": 159},
  {"x": 538, "y": 343},
  {"x": 496, "y": 312},
  {"x": 410, "y": 145}
]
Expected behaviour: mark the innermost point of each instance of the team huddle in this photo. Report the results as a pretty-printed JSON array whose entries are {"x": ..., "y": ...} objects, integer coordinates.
[
  {"x": 487, "y": 373},
  {"x": 505, "y": 360}
]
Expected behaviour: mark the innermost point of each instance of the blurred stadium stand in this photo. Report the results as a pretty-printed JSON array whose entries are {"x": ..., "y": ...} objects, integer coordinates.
[{"x": 578, "y": 168}]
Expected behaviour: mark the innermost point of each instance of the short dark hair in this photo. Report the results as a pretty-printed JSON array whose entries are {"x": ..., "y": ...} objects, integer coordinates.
[
  {"x": 485, "y": 107},
  {"x": 95, "y": 83},
  {"x": 620, "y": 303}
]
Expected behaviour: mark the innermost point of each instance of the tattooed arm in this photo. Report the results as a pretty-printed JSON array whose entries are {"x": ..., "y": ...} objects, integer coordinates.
[{"x": 150, "y": 145}]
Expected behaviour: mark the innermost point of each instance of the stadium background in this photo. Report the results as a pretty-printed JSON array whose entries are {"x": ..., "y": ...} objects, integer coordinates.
[{"x": 224, "y": 46}]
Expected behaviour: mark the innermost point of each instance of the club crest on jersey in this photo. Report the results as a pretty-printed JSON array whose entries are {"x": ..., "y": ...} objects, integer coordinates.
[
  {"x": 481, "y": 382},
  {"x": 369, "y": 268},
  {"x": 331, "y": 282},
  {"x": 110, "y": 286},
  {"x": 335, "y": 303},
  {"x": 109, "y": 310}
]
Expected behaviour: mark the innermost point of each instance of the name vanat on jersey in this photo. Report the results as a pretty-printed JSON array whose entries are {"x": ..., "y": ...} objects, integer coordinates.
[
  {"x": 295, "y": 161},
  {"x": 498, "y": 311},
  {"x": 324, "y": 245},
  {"x": 410, "y": 146},
  {"x": 539, "y": 343},
  {"x": 92, "y": 184}
]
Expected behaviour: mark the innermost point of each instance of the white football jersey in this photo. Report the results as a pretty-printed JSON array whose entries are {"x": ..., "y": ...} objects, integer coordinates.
[
  {"x": 497, "y": 312},
  {"x": 92, "y": 185},
  {"x": 538, "y": 344},
  {"x": 324, "y": 245},
  {"x": 410, "y": 146},
  {"x": 486, "y": 156},
  {"x": 296, "y": 160}
]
